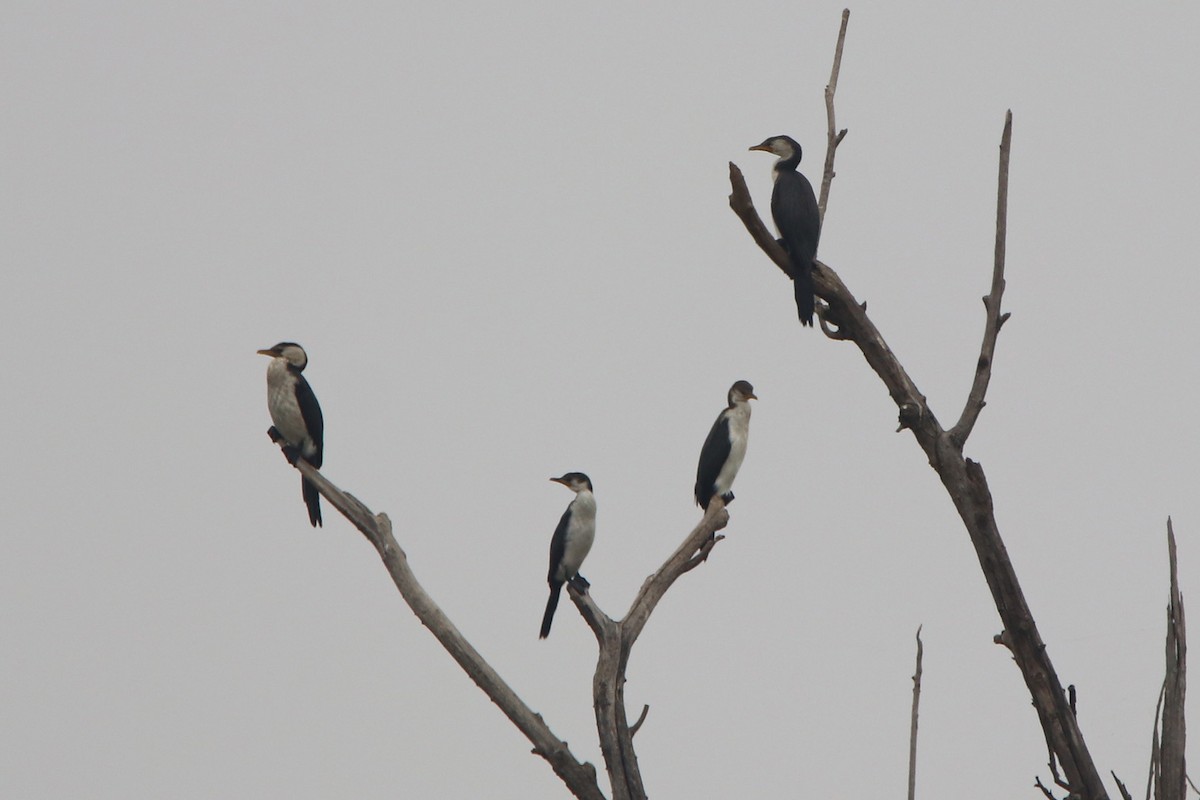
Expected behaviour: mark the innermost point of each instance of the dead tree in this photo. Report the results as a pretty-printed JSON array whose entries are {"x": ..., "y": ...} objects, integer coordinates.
[
  {"x": 615, "y": 639},
  {"x": 844, "y": 318}
]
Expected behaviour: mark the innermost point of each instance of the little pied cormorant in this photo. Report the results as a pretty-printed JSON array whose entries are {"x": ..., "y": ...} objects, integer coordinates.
[
  {"x": 571, "y": 542},
  {"x": 794, "y": 207},
  {"x": 296, "y": 414},
  {"x": 725, "y": 447}
]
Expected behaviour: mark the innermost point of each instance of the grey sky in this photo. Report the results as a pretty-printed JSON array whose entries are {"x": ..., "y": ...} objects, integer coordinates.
[{"x": 501, "y": 233}]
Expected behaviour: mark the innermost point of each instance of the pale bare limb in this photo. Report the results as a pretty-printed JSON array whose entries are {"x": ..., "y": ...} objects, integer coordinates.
[
  {"x": 912, "y": 736},
  {"x": 994, "y": 319},
  {"x": 834, "y": 137},
  {"x": 580, "y": 778}
]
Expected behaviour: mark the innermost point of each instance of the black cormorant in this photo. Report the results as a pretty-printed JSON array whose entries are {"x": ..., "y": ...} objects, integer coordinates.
[
  {"x": 571, "y": 542},
  {"x": 794, "y": 207},
  {"x": 296, "y": 414},
  {"x": 725, "y": 447}
]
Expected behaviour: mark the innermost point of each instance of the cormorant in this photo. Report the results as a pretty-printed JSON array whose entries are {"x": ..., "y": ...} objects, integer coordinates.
[
  {"x": 571, "y": 542},
  {"x": 725, "y": 447},
  {"x": 794, "y": 207},
  {"x": 296, "y": 414}
]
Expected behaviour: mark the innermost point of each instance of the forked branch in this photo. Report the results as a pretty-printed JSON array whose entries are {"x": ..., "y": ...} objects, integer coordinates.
[
  {"x": 579, "y": 777},
  {"x": 963, "y": 479},
  {"x": 615, "y": 638},
  {"x": 994, "y": 319}
]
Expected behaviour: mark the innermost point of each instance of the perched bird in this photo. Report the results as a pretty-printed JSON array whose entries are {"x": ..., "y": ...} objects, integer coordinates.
[
  {"x": 571, "y": 542},
  {"x": 296, "y": 414},
  {"x": 794, "y": 207},
  {"x": 725, "y": 447}
]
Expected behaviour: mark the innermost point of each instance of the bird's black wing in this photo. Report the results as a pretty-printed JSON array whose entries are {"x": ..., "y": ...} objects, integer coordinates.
[
  {"x": 558, "y": 545},
  {"x": 314, "y": 422},
  {"x": 794, "y": 208},
  {"x": 712, "y": 457}
]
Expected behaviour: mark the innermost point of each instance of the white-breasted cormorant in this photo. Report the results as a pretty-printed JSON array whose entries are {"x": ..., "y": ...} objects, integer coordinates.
[
  {"x": 571, "y": 542},
  {"x": 296, "y": 414},
  {"x": 725, "y": 447}
]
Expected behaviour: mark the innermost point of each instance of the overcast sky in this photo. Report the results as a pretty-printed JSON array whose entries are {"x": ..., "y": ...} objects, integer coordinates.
[{"x": 501, "y": 232}]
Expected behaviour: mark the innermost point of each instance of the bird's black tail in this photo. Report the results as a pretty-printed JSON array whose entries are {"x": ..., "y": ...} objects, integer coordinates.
[
  {"x": 312, "y": 499},
  {"x": 802, "y": 284},
  {"x": 551, "y": 605}
]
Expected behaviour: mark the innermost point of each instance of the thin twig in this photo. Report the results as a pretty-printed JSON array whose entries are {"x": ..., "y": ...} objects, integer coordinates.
[
  {"x": 994, "y": 319},
  {"x": 635, "y": 727},
  {"x": 834, "y": 138},
  {"x": 1038, "y": 783},
  {"x": 1121, "y": 786},
  {"x": 912, "y": 737}
]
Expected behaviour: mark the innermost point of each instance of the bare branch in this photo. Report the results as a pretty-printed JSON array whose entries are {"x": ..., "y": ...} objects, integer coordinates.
[
  {"x": 1121, "y": 786},
  {"x": 655, "y": 586},
  {"x": 1171, "y": 783},
  {"x": 743, "y": 206},
  {"x": 994, "y": 319},
  {"x": 968, "y": 489},
  {"x": 912, "y": 737},
  {"x": 834, "y": 138},
  {"x": 580, "y": 778},
  {"x": 615, "y": 641},
  {"x": 635, "y": 727},
  {"x": 1038, "y": 783}
]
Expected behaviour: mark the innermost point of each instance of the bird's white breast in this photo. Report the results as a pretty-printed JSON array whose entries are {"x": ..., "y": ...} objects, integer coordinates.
[
  {"x": 581, "y": 532},
  {"x": 281, "y": 401},
  {"x": 739, "y": 434}
]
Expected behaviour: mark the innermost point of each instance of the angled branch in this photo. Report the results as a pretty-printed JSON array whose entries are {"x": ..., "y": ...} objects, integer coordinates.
[
  {"x": 580, "y": 778},
  {"x": 655, "y": 586},
  {"x": 994, "y": 319},
  {"x": 834, "y": 137},
  {"x": 968, "y": 489},
  {"x": 743, "y": 206}
]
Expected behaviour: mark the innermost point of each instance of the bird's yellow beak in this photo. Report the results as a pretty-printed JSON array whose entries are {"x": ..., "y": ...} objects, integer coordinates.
[
  {"x": 270, "y": 353},
  {"x": 762, "y": 147},
  {"x": 752, "y": 396}
]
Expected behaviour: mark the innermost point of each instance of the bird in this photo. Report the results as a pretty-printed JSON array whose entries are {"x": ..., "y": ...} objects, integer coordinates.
[
  {"x": 296, "y": 414},
  {"x": 571, "y": 542},
  {"x": 725, "y": 447},
  {"x": 794, "y": 208}
]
